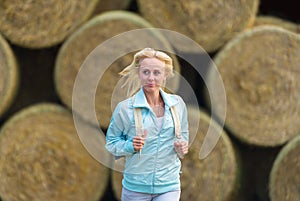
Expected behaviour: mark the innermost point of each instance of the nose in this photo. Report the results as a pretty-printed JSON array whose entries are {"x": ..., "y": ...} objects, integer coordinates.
[{"x": 151, "y": 76}]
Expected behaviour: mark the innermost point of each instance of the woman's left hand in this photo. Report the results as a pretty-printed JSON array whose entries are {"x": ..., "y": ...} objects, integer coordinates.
[{"x": 181, "y": 147}]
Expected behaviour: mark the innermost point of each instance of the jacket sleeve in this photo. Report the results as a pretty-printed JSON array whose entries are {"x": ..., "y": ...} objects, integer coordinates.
[
  {"x": 118, "y": 143},
  {"x": 184, "y": 121}
]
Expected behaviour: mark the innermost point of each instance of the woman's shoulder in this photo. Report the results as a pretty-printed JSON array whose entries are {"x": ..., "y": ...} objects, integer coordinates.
[
  {"x": 124, "y": 104},
  {"x": 174, "y": 97}
]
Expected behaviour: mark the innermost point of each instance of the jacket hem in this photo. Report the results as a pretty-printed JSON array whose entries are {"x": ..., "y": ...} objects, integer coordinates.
[{"x": 156, "y": 189}]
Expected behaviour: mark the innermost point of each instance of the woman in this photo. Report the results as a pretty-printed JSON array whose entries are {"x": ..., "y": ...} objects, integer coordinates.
[{"x": 152, "y": 165}]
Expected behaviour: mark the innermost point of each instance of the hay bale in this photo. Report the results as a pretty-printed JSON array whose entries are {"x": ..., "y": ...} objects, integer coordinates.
[
  {"x": 260, "y": 70},
  {"x": 209, "y": 23},
  {"x": 285, "y": 174},
  {"x": 116, "y": 181},
  {"x": 217, "y": 176},
  {"x": 9, "y": 76},
  {"x": 94, "y": 33},
  {"x": 275, "y": 21},
  {"x": 41, "y": 157},
  {"x": 24, "y": 24}
]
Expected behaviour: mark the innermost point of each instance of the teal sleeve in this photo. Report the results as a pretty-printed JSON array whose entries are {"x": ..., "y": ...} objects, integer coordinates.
[
  {"x": 184, "y": 122},
  {"x": 118, "y": 143}
]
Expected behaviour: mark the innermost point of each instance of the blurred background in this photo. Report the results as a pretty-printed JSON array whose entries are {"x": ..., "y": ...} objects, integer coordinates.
[{"x": 40, "y": 62}]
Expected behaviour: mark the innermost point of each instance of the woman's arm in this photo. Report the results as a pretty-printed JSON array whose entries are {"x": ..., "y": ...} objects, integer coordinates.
[{"x": 119, "y": 143}]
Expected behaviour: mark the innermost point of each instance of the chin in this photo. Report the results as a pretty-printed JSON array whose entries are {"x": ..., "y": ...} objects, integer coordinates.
[{"x": 151, "y": 89}]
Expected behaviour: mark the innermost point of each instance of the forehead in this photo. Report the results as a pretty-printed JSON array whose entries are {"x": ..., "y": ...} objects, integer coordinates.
[{"x": 152, "y": 62}]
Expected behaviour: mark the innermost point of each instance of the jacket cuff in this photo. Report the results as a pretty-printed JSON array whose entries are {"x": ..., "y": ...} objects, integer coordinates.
[{"x": 129, "y": 147}]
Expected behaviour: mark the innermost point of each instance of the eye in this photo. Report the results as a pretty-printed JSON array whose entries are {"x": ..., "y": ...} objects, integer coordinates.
[
  {"x": 156, "y": 72},
  {"x": 146, "y": 72}
]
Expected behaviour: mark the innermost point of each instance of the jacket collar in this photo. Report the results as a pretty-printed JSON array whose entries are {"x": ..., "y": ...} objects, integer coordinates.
[{"x": 139, "y": 99}]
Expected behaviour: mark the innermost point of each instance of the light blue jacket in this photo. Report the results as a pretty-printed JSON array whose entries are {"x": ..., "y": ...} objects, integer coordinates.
[{"x": 158, "y": 168}]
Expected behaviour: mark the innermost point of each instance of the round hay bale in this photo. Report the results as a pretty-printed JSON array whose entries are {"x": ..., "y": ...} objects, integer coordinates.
[
  {"x": 9, "y": 76},
  {"x": 209, "y": 23},
  {"x": 215, "y": 177},
  {"x": 275, "y": 21},
  {"x": 116, "y": 181},
  {"x": 285, "y": 174},
  {"x": 41, "y": 157},
  {"x": 260, "y": 70},
  {"x": 93, "y": 34},
  {"x": 23, "y": 23}
]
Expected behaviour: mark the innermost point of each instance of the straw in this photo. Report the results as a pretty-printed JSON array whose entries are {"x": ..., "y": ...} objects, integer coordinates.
[
  {"x": 41, "y": 157},
  {"x": 285, "y": 178},
  {"x": 96, "y": 31},
  {"x": 209, "y": 23},
  {"x": 9, "y": 76},
  {"x": 260, "y": 70},
  {"x": 217, "y": 177},
  {"x": 276, "y": 21},
  {"x": 40, "y": 24}
]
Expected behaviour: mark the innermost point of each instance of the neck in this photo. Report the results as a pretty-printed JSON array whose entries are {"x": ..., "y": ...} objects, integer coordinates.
[
  {"x": 153, "y": 98},
  {"x": 156, "y": 102}
]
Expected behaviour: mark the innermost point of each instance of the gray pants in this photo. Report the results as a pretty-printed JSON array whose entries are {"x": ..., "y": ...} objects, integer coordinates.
[{"x": 128, "y": 195}]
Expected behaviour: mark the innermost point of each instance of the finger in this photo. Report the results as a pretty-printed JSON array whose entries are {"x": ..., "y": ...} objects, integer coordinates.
[
  {"x": 139, "y": 141},
  {"x": 177, "y": 144},
  {"x": 137, "y": 138},
  {"x": 145, "y": 133},
  {"x": 136, "y": 148},
  {"x": 184, "y": 147},
  {"x": 138, "y": 144}
]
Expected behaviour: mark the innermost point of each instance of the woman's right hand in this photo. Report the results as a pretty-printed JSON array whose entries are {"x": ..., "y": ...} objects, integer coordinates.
[{"x": 139, "y": 141}]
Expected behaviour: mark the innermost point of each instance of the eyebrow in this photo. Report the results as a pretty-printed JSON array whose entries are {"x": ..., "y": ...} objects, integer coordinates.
[{"x": 154, "y": 66}]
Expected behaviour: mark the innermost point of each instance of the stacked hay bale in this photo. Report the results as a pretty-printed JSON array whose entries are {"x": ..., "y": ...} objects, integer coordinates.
[
  {"x": 86, "y": 39},
  {"x": 9, "y": 76},
  {"x": 285, "y": 177},
  {"x": 209, "y": 23},
  {"x": 216, "y": 177},
  {"x": 276, "y": 21},
  {"x": 259, "y": 69},
  {"x": 260, "y": 80},
  {"x": 24, "y": 24},
  {"x": 117, "y": 184},
  {"x": 41, "y": 157}
]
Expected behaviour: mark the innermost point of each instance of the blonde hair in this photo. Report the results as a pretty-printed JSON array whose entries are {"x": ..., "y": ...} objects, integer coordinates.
[{"x": 131, "y": 72}]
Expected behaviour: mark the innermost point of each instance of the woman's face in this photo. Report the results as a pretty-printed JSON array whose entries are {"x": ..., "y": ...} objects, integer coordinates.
[{"x": 152, "y": 74}]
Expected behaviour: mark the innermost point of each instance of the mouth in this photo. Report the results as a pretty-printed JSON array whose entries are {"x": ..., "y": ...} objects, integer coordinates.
[{"x": 150, "y": 85}]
